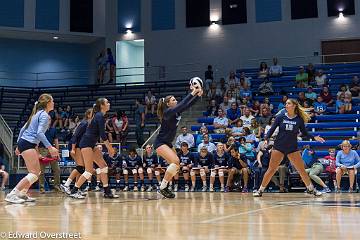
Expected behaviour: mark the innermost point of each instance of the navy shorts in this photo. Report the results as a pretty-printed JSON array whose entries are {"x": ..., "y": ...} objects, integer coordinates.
[
  {"x": 158, "y": 144},
  {"x": 286, "y": 151},
  {"x": 24, "y": 145}
]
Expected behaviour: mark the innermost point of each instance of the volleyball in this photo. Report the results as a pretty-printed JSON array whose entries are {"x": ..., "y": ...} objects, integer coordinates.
[{"x": 196, "y": 83}]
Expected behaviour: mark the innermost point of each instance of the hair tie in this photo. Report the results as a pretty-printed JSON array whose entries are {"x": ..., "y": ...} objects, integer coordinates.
[
  {"x": 163, "y": 99},
  {"x": 36, "y": 102},
  {"x": 94, "y": 105}
]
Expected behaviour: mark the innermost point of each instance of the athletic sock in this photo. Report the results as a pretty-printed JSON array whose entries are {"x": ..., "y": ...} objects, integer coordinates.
[
  {"x": 310, "y": 187},
  {"x": 262, "y": 189},
  {"x": 68, "y": 182},
  {"x": 163, "y": 184}
]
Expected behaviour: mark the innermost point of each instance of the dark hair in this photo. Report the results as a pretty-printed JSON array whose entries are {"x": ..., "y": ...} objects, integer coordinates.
[
  {"x": 209, "y": 67},
  {"x": 108, "y": 50},
  {"x": 40, "y": 104},
  {"x": 261, "y": 68},
  {"x": 132, "y": 150},
  {"x": 162, "y": 105},
  {"x": 184, "y": 144},
  {"x": 242, "y": 139},
  {"x": 246, "y": 130}
]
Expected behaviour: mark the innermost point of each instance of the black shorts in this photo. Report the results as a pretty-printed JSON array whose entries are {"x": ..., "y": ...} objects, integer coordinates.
[
  {"x": 159, "y": 143},
  {"x": 286, "y": 151},
  {"x": 24, "y": 145},
  {"x": 87, "y": 142}
]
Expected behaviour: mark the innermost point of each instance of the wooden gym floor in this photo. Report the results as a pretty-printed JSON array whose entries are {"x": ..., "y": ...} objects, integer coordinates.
[{"x": 189, "y": 216}]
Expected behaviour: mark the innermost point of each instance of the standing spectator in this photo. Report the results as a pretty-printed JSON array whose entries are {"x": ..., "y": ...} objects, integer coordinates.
[
  {"x": 233, "y": 113},
  {"x": 109, "y": 128},
  {"x": 275, "y": 69},
  {"x": 206, "y": 143},
  {"x": 355, "y": 87},
  {"x": 112, "y": 64},
  {"x": 310, "y": 95},
  {"x": 139, "y": 118},
  {"x": 3, "y": 173},
  {"x": 326, "y": 96},
  {"x": 101, "y": 67},
  {"x": 150, "y": 101},
  {"x": 46, "y": 159},
  {"x": 310, "y": 70},
  {"x": 220, "y": 122},
  {"x": 301, "y": 78},
  {"x": 265, "y": 88},
  {"x": 120, "y": 123},
  {"x": 212, "y": 108},
  {"x": 319, "y": 106},
  {"x": 330, "y": 162},
  {"x": 347, "y": 161},
  {"x": 320, "y": 78},
  {"x": 209, "y": 78},
  {"x": 263, "y": 70},
  {"x": 247, "y": 117},
  {"x": 185, "y": 137}
]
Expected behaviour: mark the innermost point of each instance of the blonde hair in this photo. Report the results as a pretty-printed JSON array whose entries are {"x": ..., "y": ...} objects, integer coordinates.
[
  {"x": 40, "y": 104},
  {"x": 162, "y": 105},
  {"x": 300, "y": 111},
  {"x": 345, "y": 142}
]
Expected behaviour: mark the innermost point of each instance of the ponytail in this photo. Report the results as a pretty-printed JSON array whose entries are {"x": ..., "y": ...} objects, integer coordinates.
[
  {"x": 40, "y": 104},
  {"x": 300, "y": 111},
  {"x": 162, "y": 105}
]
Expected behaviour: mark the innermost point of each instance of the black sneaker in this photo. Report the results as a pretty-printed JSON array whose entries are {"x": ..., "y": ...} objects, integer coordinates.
[
  {"x": 257, "y": 193},
  {"x": 167, "y": 193},
  {"x": 110, "y": 195},
  {"x": 314, "y": 192}
]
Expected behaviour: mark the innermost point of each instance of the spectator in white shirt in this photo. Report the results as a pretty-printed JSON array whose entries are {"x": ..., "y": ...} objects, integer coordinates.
[
  {"x": 209, "y": 145},
  {"x": 232, "y": 79},
  {"x": 247, "y": 117},
  {"x": 220, "y": 122},
  {"x": 275, "y": 70},
  {"x": 320, "y": 78},
  {"x": 185, "y": 137}
]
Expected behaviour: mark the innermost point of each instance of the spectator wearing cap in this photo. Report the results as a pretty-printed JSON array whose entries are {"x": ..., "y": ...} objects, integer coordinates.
[
  {"x": 185, "y": 137},
  {"x": 301, "y": 78},
  {"x": 320, "y": 78}
]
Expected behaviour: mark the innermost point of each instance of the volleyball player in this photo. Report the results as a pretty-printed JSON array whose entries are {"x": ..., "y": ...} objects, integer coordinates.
[
  {"x": 169, "y": 114},
  {"x": 150, "y": 161},
  {"x": 31, "y": 134},
  {"x": 221, "y": 159},
  {"x": 91, "y": 153},
  {"x": 76, "y": 152},
  {"x": 202, "y": 166},
  {"x": 186, "y": 159},
  {"x": 133, "y": 165},
  {"x": 290, "y": 122}
]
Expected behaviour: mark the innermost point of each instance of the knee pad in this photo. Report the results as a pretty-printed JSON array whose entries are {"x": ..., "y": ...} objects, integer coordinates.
[
  {"x": 202, "y": 172},
  {"x": 157, "y": 173},
  {"x": 104, "y": 170},
  {"x": 32, "y": 178},
  {"x": 80, "y": 169},
  {"x": 213, "y": 174},
  {"x": 140, "y": 171},
  {"x": 221, "y": 173},
  {"x": 125, "y": 172},
  {"x": 134, "y": 171},
  {"x": 192, "y": 173},
  {"x": 173, "y": 168},
  {"x": 149, "y": 170},
  {"x": 98, "y": 171},
  {"x": 87, "y": 175}
]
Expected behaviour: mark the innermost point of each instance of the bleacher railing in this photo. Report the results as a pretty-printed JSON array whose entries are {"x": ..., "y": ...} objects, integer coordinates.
[{"x": 6, "y": 136}]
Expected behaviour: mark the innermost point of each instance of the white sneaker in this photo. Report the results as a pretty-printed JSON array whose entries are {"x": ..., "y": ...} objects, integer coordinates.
[
  {"x": 222, "y": 189},
  {"x": 136, "y": 189},
  {"x": 77, "y": 195},
  {"x": 126, "y": 188},
  {"x": 192, "y": 189},
  {"x": 2, "y": 189},
  {"x": 314, "y": 192},
  {"x": 12, "y": 198},
  {"x": 211, "y": 189},
  {"x": 186, "y": 188},
  {"x": 97, "y": 189},
  {"x": 26, "y": 197},
  {"x": 149, "y": 189},
  {"x": 65, "y": 189},
  {"x": 83, "y": 193},
  {"x": 87, "y": 188},
  {"x": 204, "y": 189},
  {"x": 175, "y": 188},
  {"x": 142, "y": 189}
]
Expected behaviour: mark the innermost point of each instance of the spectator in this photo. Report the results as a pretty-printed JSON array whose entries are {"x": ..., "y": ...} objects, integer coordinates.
[
  {"x": 264, "y": 118},
  {"x": 237, "y": 131},
  {"x": 282, "y": 103},
  {"x": 263, "y": 70},
  {"x": 329, "y": 162},
  {"x": 249, "y": 136},
  {"x": 268, "y": 126},
  {"x": 120, "y": 124},
  {"x": 185, "y": 137},
  {"x": 112, "y": 64},
  {"x": 231, "y": 97},
  {"x": 247, "y": 117},
  {"x": 314, "y": 168},
  {"x": 265, "y": 88},
  {"x": 213, "y": 93},
  {"x": 209, "y": 78},
  {"x": 310, "y": 70},
  {"x": 212, "y": 108},
  {"x": 220, "y": 122},
  {"x": 326, "y": 96},
  {"x": 73, "y": 123},
  {"x": 232, "y": 79},
  {"x": 309, "y": 109},
  {"x": 3, "y": 174},
  {"x": 310, "y": 95},
  {"x": 139, "y": 117},
  {"x": 237, "y": 167},
  {"x": 266, "y": 104},
  {"x": 54, "y": 117},
  {"x": 347, "y": 161},
  {"x": 221, "y": 159},
  {"x": 67, "y": 115},
  {"x": 222, "y": 87},
  {"x": 203, "y": 164},
  {"x": 355, "y": 87},
  {"x": 60, "y": 116},
  {"x": 255, "y": 128},
  {"x": 263, "y": 160},
  {"x": 206, "y": 143},
  {"x": 109, "y": 128},
  {"x": 282, "y": 170},
  {"x": 319, "y": 106},
  {"x": 246, "y": 93},
  {"x": 200, "y": 137},
  {"x": 225, "y": 105},
  {"x": 101, "y": 67},
  {"x": 301, "y": 78},
  {"x": 343, "y": 89},
  {"x": 233, "y": 113},
  {"x": 255, "y": 108},
  {"x": 275, "y": 69},
  {"x": 301, "y": 98},
  {"x": 348, "y": 102},
  {"x": 244, "y": 80},
  {"x": 231, "y": 143},
  {"x": 150, "y": 101},
  {"x": 340, "y": 105},
  {"x": 320, "y": 78},
  {"x": 246, "y": 152}
]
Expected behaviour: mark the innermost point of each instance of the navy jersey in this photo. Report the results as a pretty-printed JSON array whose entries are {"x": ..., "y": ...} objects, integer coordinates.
[
  {"x": 94, "y": 131},
  {"x": 221, "y": 160},
  {"x": 133, "y": 162},
  {"x": 50, "y": 135},
  {"x": 186, "y": 159},
  {"x": 265, "y": 158},
  {"x": 207, "y": 161},
  {"x": 171, "y": 119},
  {"x": 234, "y": 162},
  {"x": 115, "y": 161},
  {"x": 150, "y": 160},
  {"x": 163, "y": 162},
  {"x": 79, "y": 132},
  {"x": 288, "y": 131}
]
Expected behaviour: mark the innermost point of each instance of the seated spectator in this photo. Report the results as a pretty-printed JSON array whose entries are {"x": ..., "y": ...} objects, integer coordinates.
[
  {"x": 326, "y": 96},
  {"x": 237, "y": 167},
  {"x": 263, "y": 70},
  {"x": 319, "y": 106},
  {"x": 73, "y": 123},
  {"x": 343, "y": 89},
  {"x": 206, "y": 143},
  {"x": 268, "y": 126},
  {"x": 249, "y": 136},
  {"x": 213, "y": 93},
  {"x": 265, "y": 88},
  {"x": 212, "y": 108},
  {"x": 237, "y": 131},
  {"x": 204, "y": 162},
  {"x": 150, "y": 101},
  {"x": 67, "y": 115},
  {"x": 320, "y": 78},
  {"x": 231, "y": 143},
  {"x": 246, "y": 152},
  {"x": 246, "y": 93},
  {"x": 255, "y": 128},
  {"x": 114, "y": 166},
  {"x": 231, "y": 97},
  {"x": 301, "y": 98},
  {"x": 301, "y": 78},
  {"x": 282, "y": 103},
  {"x": 233, "y": 113},
  {"x": 313, "y": 167},
  {"x": 220, "y": 122},
  {"x": 343, "y": 104},
  {"x": 4, "y": 175},
  {"x": 120, "y": 124},
  {"x": 222, "y": 87},
  {"x": 60, "y": 115},
  {"x": 329, "y": 162},
  {"x": 255, "y": 109},
  {"x": 209, "y": 78},
  {"x": 283, "y": 170},
  {"x": 309, "y": 109},
  {"x": 244, "y": 80},
  {"x": 247, "y": 117},
  {"x": 267, "y": 104},
  {"x": 310, "y": 70},
  {"x": 185, "y": 137},
  {"x": 264, "y": 118},
  {"x": 109, "y": 128},
  {"x": 310, "y": 95},
  {"x": 200, "y": 137},
  {"x": 275, "y": 69},
  {"x": 225, "y": 105},
  {"x": 347, "y": 161},
  {"x": 221, "y": 159},
  {"x": 348, "y": 102},
  {"x": 355, "y": 87},
  {"x": 232, "y": 79}
]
